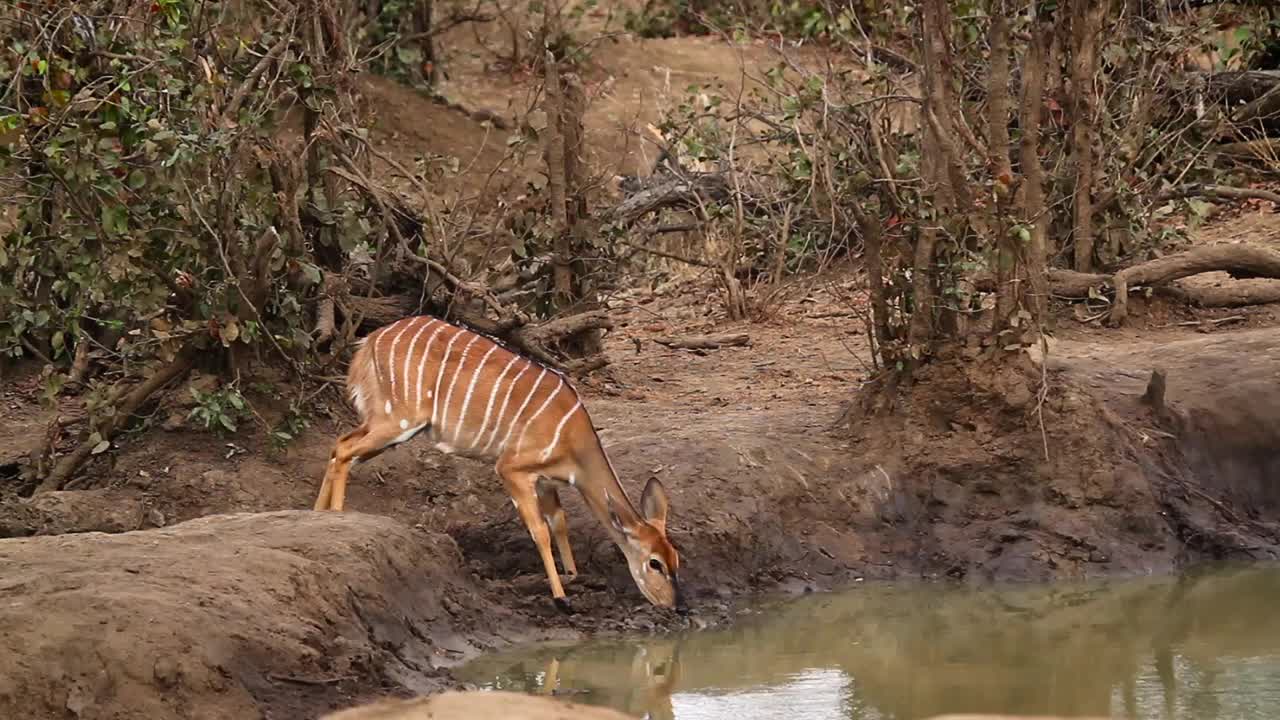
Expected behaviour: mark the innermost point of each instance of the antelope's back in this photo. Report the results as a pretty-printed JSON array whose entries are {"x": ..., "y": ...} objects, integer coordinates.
[{"x": 470, "y": 389}]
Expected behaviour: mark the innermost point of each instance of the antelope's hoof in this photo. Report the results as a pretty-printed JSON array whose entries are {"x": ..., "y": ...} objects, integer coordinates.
[{"x": 563, "y": 606}]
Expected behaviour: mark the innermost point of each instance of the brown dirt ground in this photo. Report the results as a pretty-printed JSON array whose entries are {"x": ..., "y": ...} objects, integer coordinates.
[{"x": 221, "y": 605}]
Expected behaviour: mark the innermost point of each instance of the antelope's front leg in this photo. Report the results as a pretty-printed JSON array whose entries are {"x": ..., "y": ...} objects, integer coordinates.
[
  {"x": 522, "y": 488},
  {"x": 553, "y": 513}
]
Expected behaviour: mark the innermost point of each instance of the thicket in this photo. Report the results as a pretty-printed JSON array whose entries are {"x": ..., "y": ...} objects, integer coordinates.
[{"x": 193, "y": 184}]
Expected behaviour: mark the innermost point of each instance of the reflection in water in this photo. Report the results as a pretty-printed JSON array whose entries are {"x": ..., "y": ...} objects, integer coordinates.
[{"x": 1203, "y": 646}]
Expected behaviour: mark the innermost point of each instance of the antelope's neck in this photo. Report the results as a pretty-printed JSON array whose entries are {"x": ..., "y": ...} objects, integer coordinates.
[{"x": 603, "y": 492}]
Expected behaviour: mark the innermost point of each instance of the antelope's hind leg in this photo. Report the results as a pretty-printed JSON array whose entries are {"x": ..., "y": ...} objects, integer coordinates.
[
  {"x": 553, "y": 513},
  {"x": 522, "y": 486}
]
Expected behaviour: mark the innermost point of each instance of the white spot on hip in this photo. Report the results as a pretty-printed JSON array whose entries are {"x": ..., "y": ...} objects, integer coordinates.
[
  {"x": 404, "y": 424},
  {"x": 387, "y": 407}
]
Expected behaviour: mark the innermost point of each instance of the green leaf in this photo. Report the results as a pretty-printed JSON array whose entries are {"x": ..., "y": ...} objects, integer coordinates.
[
  {"x": 227, "y": 423},
  {"x": 115, "y": 219},
  {"x": 311, "y": 272}
]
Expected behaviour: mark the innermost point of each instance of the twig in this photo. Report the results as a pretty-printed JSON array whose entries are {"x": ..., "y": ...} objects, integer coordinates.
[
  {"x": 705, "y": 342},
  {"x": 1209, "y": 321}
]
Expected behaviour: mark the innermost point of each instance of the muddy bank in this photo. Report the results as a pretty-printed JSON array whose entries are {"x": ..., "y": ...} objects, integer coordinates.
[{"x": 270, "y": 615}]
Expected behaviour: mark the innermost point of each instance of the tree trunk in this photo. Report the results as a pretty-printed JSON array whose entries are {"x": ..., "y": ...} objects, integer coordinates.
[
  {"x": 1007, "y": 252},
  {"x": 422, "y": 24},
  {"x": 1086, "y": 23},
  {"x": 1034, "y": 68},
  {"x": 554, "y": 154}
]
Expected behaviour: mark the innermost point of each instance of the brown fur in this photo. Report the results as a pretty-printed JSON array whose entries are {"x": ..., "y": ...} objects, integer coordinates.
[{"x": 422, "y": 375}]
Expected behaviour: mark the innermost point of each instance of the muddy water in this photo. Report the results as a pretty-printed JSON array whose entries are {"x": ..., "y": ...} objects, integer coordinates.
[{"x": 1201, "y": 647}]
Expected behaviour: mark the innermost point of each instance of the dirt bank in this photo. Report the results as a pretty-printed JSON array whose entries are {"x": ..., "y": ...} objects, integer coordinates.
[{"x": 269, "y": 615}]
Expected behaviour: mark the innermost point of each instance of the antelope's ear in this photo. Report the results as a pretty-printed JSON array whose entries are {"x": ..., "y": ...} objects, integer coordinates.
[{"x": 653, "y": 504}]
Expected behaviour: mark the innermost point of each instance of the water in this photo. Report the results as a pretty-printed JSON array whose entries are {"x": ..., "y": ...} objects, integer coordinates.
[{"x": 1202, "y": 646}]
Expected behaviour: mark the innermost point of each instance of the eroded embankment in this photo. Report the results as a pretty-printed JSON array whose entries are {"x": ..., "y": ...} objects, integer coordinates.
[{"x": 279, "y": 614}]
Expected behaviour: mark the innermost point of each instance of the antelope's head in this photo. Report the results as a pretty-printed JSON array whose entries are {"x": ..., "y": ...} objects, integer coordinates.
[{"x": 653, "y": 561}]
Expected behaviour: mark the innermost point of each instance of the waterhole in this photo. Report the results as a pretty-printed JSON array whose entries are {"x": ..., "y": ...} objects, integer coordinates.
[{"x": 1201, "y": 646}]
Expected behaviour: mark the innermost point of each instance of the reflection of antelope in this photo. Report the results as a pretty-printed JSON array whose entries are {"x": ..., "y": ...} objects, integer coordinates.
[
  {"x": 653, "y": 674},
  {"x": 473, "y": 397}
]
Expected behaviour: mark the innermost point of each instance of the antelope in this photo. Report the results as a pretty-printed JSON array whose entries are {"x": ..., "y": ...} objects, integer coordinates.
[{"x": 473, "y": 397}]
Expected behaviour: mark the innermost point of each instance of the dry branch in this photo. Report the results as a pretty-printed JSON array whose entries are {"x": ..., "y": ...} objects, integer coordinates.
[
  {"x": 1238, "y": 293},
  {"x": 684, "y": 192},
  {"x": 1261, "y": 148},
  {"x": 1246, "y": 260},
  {"x": 705, "y": 342},
  {"x": 1256, "y": 271},
  {"x": 125, "y": 408},
  {"x": 1219, "y": 191}
]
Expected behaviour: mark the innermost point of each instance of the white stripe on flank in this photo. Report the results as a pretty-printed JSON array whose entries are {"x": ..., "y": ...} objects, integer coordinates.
[
  {"x": 497, "y": 424},
  {"x": 514, "y": 420},
  {"x": 408, "y": 355},
  {"x": 493, "y": 393},
  {"x": 391, "y": 357},
  {"x": 462, "y": 361},
  {"x": 377, "y": 372},
  {"x": 466, "y": 399},
  {"x": 435, "y": 396},
  {"x": 555, "y": 439},
  {"x": 536, "y": 413},
  {"x": 422, "y": 365}
]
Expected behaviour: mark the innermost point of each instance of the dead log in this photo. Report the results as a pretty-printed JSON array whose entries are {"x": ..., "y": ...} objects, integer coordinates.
[
  {"x": 705, "y": 342},
  {"x": 1260, "y": 149},
  {"x": 1255, "y": 272},
  {"x": 374, "y": 312},
  {"x": 681, "y": 192},
  {"x": 1243, "y": 260},
  {"x": 1219, "y": 191},
  {"x": 1234, "y": 87},
  {"x": 1265, "y": 107},
  {"x": 1237, "y": 293}
]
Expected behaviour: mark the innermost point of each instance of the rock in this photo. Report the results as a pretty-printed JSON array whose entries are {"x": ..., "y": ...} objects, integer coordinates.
[{"x": 470, "y": 705}]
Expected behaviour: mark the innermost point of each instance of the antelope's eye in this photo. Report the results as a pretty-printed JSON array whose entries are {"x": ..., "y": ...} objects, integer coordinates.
[{"x": 656, "y": 565}]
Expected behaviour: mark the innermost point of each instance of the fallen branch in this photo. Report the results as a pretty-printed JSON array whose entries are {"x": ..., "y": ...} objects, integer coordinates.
[
  {"x": 1239, "y": 293},
  {"x": 124, "y": 409},
  {"x": 1240, "y": 260},
  {"x": 1262, "y": 148},
  {"x": 1219, "y": 191},
  {"x": 685, "y": 192},
  {"x": 705, "y": 342}
]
